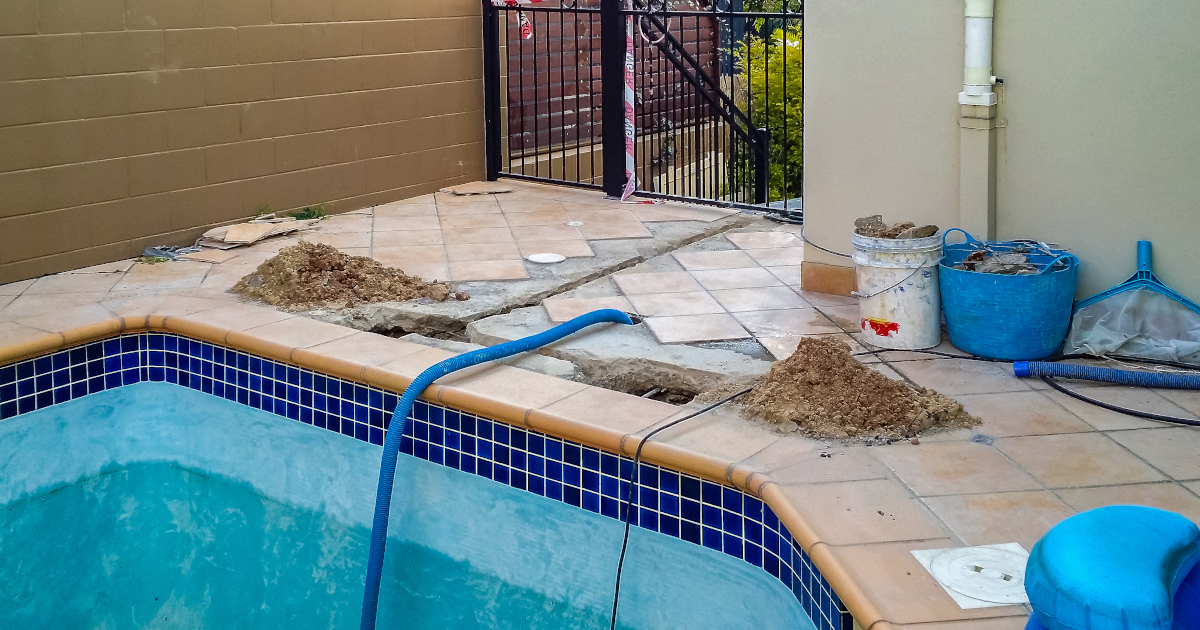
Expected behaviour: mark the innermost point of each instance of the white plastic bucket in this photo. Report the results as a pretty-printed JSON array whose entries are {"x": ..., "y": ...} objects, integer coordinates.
[{"x": 898, "y": 300}]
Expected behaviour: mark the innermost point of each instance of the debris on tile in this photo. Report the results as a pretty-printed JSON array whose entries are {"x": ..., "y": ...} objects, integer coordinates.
[
  {"x": 478, "y": 188},
  {"x": 874, "y": 227},
  {"x": 823, "y": 392},
  {"x": 308, "y": 276},
  {"x": 231, "y": 236},
  {"x": 1006, "y": 264},
  {"x": 209, "y": 256}
]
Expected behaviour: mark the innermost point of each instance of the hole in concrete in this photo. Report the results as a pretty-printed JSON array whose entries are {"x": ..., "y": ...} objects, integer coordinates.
[{"x": 669, "y": 396}]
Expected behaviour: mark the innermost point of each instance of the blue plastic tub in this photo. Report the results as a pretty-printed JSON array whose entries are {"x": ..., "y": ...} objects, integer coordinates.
[{"x": 1014, "y": 318}]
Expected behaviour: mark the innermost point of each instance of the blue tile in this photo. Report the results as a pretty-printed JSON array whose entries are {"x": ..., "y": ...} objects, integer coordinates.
[
  {"x": 690, "y": 487},
  {"x": 610, "y": 507},
  {"x": 711, "y": 493},
  {"x": 554, "y": 449},
  {"x": 712, "y": 516},
  {"x": 733, "y": 545},
  {"x": 690, "y": 510},
  {"x": 712, "y": 538}
]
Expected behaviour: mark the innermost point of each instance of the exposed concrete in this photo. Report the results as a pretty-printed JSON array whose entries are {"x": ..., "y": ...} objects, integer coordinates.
[
  {"x": 625, "y": 358},
  {"x": 494, "y": 297},
  {"x": 526, "y": 361}
]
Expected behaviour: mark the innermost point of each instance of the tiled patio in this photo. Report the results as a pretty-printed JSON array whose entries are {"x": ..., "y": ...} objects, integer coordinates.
[{"x": 1038, "y": 457}]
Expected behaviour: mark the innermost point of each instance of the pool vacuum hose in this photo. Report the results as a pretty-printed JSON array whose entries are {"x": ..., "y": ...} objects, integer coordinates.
[
  {"x": 1108, "y": 375},
  {"x": 395, "y": 433}
]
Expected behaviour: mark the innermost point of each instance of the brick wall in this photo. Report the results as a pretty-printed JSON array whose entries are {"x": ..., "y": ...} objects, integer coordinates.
[{"x": 128, "y": 123}]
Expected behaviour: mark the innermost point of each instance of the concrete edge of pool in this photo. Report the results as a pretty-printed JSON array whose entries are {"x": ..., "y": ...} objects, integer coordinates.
[{"x": 721, "y": 448}]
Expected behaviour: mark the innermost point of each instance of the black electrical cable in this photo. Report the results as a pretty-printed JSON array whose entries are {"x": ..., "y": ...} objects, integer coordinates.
[
  {"x": 1049, "y": 380},
  {"x": 633, "y": 476}
]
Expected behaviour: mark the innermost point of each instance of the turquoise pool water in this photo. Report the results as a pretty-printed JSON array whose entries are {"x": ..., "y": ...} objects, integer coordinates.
[{"x": 155, "y": 506}]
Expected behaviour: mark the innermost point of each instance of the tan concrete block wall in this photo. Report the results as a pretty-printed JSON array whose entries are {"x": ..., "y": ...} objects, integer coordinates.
[{"x": 128, "y": 123}]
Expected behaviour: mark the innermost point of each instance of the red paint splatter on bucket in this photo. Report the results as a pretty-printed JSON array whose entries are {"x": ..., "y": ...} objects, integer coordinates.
[{"x": 882, "y": 327}]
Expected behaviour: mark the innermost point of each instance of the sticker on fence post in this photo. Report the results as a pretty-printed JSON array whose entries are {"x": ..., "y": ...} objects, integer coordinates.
[
  {"x": 630, "y": 128},
  {"x": 525, "y": 26}
]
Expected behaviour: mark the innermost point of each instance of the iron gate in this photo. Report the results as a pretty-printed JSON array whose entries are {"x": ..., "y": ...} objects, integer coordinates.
[{"x": 717, "y": 96}]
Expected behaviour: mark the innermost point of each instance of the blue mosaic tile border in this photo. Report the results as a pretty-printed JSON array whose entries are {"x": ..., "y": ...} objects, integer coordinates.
[{"x": 719, "y": 517}]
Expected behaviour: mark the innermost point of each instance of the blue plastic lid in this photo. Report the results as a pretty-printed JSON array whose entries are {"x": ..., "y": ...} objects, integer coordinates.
[{"x": 1112, "y": 568}]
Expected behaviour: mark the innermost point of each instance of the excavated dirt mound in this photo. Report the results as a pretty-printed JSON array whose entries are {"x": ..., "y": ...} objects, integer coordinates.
[
  {"x": 310, "y": 275},
  {"x": 825, "y": 393}
]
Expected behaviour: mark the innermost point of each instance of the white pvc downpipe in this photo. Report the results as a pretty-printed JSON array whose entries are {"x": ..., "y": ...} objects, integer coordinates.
[{"x": 977, "y": 70}]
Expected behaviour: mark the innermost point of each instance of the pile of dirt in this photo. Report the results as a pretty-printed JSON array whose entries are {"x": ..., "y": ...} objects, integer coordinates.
[
  {"x": 822, "y": 391},
  {"x": 311, "y": 275}
]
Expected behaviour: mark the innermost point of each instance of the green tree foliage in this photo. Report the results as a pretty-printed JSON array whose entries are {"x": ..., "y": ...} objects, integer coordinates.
[{"x": 770, "y": 69}]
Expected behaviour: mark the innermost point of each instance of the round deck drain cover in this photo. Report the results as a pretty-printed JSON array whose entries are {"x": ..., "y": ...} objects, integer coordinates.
[
  {"x": 545, "y": 259},
  {"x": 990, "y": 575},
  {"x": 574, "y": 223}
]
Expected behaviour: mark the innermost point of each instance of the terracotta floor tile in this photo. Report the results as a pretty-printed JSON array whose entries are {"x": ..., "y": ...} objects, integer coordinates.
[
  {"x": 238, "y": 316},
  {"x": 789, "y": 275},
  {"x": 826, "y": 299},
  {"x": 694, "y": 328},
  {"x": 654, "y": 283},
  {"x": 427, "y": 199},
  {"x": 667, "y": 304},
  {"x": 419, "y": 254},
  {"x": 886, "y": 370},
  {"x": 901, "y": 589},
  {"x": 15, "y": 288},
  {"x": 397, "y": 210},
  {"x": 406, "y": 238},
  {"x": 12, "y": 333},
  {"x": 859, "y": 512},
  {"x": 160, "y": 305},
  {"x": 1020, "y": 413},
  {"x": 168, "y": 275},
  {"x": 119, "y": 266},
  {"x": 797, "y": 460},
  {"x": 518, "y": 387},
  {"x": 1164, "y": 496},
  {"x": 903, "y": 355},
  {"x": 783, "y": 347},
  {"x": 1173, "y": 450},
  {"x": 299, "y": 332},
  {"x": 763, "y": 240},
  {"x": 961, "y": 376},
  {"x": 5, "y": 300},
  {"x": 651, "y": 214},
  {"x": 613, "y": 410},
  {"x": 460, "y": 209},
  {"x": 953, "y": 468},
  {"x": 1076, "y": 459},
  {"x": 784, "y": 323},
  {"x": 667, "y": 212},
  {"x": 390, "y": 223},
  {"x": 460, "y": 221},
  {"x": 73, "y": 283},
  {"x": 523, "y": 206},
  {"x": 777, "y": 256},
  {"x": 226, "y": 275},
  {"x": 846, "y": 317},
  {"x": 450, "y": 199},
  {"x": 570, "y": 249},
  {"x": 1129, "y": 397},
  {"x": 367, "y": 348},
  {"x": 26, "y": 305},
  {"x": 596, "y": 215},
  {"x": 69, "y": 318},
  {"x": 430, "y": 272},
  {"x": 759, "y": 299},
  {"x": 340, "y": 240},
  {"x": 346, "y": 223},
  {"x": 546, "y": 233},
  {"x": 469, "y": 236},
  {"x": 992, "y": 519},
  {"x": 703, "y": 261},
  {"x": 608, "y": 231},
  {"x": 1188, "y": 400},
  {"x": 1011, "y": 622},
  {"x": 563, "y": 309},
  {"x": 523, "y": 219},
  {"x": 749, "y": 278},
  {"x": 483, "y": 251},
  {"x": 722, "y": 434},
  {"x": 462, "y": 271}
]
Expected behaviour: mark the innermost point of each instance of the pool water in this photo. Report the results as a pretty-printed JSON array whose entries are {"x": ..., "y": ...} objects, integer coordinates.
[{"x": 155, "y": 506}]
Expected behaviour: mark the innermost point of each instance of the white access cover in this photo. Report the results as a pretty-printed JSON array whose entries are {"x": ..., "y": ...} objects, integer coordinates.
[
  {"x": 545, "y": 259},
  {"x": 979, "y": 577}
]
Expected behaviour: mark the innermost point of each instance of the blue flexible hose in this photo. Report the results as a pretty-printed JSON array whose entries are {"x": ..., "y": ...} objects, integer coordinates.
[
  {"x": 1107, "y": 375},
  {"x": 391, "y": 445}
]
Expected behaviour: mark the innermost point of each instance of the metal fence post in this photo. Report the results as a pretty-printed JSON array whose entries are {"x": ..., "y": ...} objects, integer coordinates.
[
  {"x": 762, "y": 167},
  {"x": 491, "y": 90},
  {"x": 612, "y": 80}
]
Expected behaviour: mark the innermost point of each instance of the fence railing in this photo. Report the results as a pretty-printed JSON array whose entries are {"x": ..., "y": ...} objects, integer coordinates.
[{"x": 717, "y": 96}]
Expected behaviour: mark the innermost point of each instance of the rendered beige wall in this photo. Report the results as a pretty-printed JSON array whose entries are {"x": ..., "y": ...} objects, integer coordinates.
[
  {"x": 128, "y": 123},
  {"x": 1099, "y": 140}
]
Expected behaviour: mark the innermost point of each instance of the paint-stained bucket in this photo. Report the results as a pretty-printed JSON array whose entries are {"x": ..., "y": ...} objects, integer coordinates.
[{"x": 898, "y": 300}]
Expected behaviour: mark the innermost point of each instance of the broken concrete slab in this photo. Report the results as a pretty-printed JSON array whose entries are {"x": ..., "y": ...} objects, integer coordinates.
[
  {"x": 526, "y": 361},
  {"x": 627, "y": 358},
  {"x": 493, "y": 297}
]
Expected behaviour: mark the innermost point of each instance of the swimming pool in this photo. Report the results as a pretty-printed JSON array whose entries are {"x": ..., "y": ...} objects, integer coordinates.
[{"x": 234, "y": 517}]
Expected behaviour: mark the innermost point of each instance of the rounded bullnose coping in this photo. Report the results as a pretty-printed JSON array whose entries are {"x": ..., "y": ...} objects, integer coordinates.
[{"x": 478, "y": 390}]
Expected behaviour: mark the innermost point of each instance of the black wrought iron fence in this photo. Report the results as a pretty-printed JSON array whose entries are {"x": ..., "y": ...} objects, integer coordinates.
[{"x": 718, "y": 89}]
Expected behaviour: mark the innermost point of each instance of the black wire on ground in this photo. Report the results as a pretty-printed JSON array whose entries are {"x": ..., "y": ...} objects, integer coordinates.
[
  {"x": 630, "y": 502},
  {"x": 1049, "y": 380}
]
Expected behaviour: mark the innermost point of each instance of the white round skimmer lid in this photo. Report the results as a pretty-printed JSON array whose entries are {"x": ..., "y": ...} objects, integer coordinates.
[
  {"x": 546, "y": 259},
  {"x": 991, "y": 575}
]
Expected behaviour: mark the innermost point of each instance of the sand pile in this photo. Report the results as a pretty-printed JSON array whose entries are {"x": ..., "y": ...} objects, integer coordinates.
[
  {"x": 310, "y": 275},
  {"x": 822, "y": 391}
]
